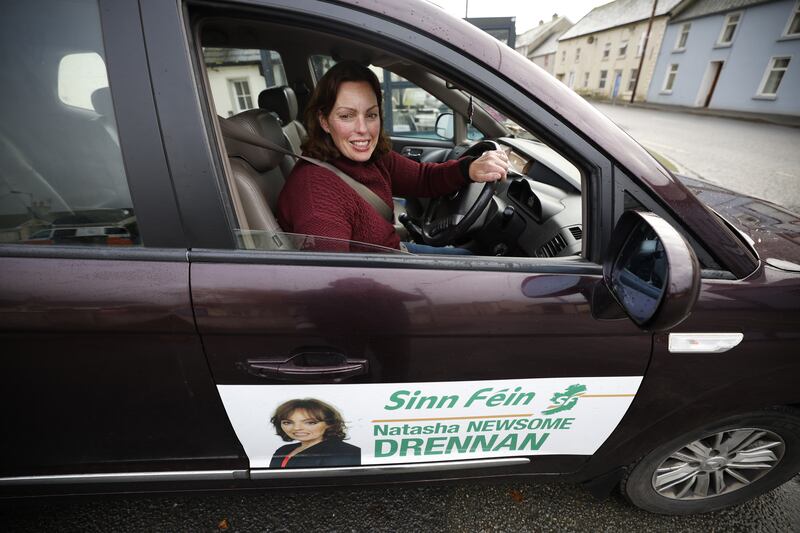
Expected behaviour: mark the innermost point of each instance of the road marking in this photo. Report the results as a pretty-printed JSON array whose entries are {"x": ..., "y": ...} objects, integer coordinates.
[{"x": 787, "y": 174}]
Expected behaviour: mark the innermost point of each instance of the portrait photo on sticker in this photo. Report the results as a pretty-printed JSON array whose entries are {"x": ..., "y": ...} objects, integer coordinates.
[{"x": 315, "y": 431}]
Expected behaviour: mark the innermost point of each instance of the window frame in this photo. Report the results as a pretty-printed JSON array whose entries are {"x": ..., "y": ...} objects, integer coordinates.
[
  {"x": 234, "y": 83},
  {"x": 683, "y": 37},
  {"x": 761, "y": 95},
  {"x": 622, "y": 50},
  {"x": 794, "y": 15},
  {"x": 577, "y": 54},
  {"x": 725, "y": 24},
  {"x": 669, "y": 78},
  {"x": 601, "y": 83},
  {"x": 634, "y": 75},
  {"x": 606, "y": 51}
]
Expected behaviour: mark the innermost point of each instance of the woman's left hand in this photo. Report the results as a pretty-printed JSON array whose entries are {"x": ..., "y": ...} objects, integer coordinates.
[{"x": 490, "y": 166}]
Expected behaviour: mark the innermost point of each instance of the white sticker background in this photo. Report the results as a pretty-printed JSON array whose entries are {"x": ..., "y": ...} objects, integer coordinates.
[{"x": 366, "y": 409}]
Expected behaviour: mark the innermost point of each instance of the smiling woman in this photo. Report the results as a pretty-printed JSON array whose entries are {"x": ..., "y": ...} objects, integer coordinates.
[{"x": 319, "y": 430}]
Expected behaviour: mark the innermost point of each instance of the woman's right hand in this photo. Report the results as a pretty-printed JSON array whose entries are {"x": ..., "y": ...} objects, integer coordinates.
[{"x": 490, "y": 166}]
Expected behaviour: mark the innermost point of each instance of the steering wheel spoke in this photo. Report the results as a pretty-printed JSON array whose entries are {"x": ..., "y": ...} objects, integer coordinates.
[{"x": 439, "y": 229}]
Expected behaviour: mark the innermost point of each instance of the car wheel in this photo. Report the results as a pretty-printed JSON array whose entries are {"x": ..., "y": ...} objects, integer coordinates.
[{"x": 721, "y": 464}]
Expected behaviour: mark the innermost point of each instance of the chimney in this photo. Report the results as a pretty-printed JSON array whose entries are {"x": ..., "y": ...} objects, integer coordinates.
[{"x": 555, "y": 16}]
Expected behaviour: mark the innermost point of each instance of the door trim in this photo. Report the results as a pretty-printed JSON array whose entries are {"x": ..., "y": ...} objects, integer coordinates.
[
  {"x": 378, "y": 470},
  {"x": 126, "y": 477}
]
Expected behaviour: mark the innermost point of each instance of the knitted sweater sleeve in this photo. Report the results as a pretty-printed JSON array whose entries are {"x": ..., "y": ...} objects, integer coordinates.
[{"x": 426, "y": 180}]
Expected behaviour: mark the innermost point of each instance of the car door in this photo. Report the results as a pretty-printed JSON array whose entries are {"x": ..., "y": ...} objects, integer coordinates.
[
  {"x": 414, "y": 359},
  {"x": 105, "y": 376}
]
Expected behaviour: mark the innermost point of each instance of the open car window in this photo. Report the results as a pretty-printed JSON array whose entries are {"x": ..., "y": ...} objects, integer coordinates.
[{"x": 537, "y": 212}]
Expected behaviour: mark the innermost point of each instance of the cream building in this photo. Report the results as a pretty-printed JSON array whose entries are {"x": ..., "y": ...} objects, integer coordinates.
[
  {"x": 600, "y": 55},
  {"x": 539, "y": 44}
]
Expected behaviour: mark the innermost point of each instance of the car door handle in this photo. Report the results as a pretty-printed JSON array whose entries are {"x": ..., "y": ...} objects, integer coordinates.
[{"x": 311, "y": 365}]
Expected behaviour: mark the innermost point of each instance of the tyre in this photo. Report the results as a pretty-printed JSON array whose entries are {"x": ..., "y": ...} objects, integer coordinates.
[{"x": 718, "y": 465}]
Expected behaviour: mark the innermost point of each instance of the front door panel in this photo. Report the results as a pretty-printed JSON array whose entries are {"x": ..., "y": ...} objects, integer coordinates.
[{"x": 438, "y": 355}]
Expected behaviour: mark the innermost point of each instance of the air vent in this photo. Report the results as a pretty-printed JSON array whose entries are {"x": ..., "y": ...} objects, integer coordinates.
[
  {"x": 552, "y": 247},
  {"x": 577, "y": 232}
]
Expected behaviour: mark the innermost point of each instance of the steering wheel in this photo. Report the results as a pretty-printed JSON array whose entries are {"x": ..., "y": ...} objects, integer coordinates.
[{"x": 448, "y": 218}]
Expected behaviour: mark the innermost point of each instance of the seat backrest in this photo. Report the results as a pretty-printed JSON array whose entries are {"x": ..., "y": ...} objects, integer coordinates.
[
  {"x": 283, "y": 101},
  {"x": 257, "y": 173}
]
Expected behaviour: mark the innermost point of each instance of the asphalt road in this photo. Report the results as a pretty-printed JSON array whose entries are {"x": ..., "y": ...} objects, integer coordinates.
[
  {"x": 755, "y": 158},
  {"x": 547, "y": 505}
]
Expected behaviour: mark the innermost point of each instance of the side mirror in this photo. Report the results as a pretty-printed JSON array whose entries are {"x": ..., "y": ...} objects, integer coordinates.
[
  {"x": 444, "y": 126},
  {"x": 651, "y": 271}
]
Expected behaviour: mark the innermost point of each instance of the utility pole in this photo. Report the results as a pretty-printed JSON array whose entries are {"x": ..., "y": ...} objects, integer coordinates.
[{"x": 644, "y": 50}]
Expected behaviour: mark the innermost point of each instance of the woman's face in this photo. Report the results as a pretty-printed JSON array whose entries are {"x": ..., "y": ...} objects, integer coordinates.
[
  {"x": 354, "y": 124},
  {"x": 301, "y": 426}
]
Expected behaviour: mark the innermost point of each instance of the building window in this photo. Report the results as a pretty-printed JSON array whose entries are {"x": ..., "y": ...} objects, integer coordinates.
[
  {"x": 577, "y": 54},
  {"x": 640, "y": 46},
  {"x": 729, "y": 29},
  {"x": 585, "y": 80},
  {"x": 793, "y": 27},
  {"x": 603, "y": 76},
  {"x": 683, "y": 36},
  {"x": 669, "y": 82},
  {"x": 632, "y": 81},
  {"x": 606, "y": 51},
  {"x": 563, "y": 55},
  {"x": 623, "y": 49},
  {"x": 773, "y": 76},
  {"x": 241, "y": 89},
  {"x": 560, "y": 77},
  {"x": 571, "y": 81},
  {"x": 546, "y": 60}
]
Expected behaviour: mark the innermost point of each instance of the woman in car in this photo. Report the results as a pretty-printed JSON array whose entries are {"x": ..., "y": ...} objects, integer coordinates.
[
  {"x": 344, "y": 119},
  {"x": 319, "y": 431}
]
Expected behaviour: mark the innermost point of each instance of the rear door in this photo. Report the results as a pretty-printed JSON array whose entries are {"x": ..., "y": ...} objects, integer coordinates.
[{"x": 104, "y": 374}]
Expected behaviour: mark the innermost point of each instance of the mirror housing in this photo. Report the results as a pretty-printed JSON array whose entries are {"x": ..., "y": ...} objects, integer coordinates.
[
  {"x": 651, "y": 271},
  {"x": 444, "y": 126}
]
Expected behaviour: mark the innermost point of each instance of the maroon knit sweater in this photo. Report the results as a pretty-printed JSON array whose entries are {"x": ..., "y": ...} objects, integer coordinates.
[{"x": 315, "y": 201}]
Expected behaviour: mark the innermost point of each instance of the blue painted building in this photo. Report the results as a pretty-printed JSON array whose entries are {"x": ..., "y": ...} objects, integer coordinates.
[{"x": 739, "y": 55}]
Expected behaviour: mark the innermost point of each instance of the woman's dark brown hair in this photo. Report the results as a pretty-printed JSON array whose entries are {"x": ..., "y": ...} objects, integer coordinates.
[
  {"x": 319, "y": 143},
  {"x": 315, "y": 409}
]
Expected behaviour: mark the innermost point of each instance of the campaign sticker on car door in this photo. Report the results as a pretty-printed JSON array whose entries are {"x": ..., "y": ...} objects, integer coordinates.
[{"x": 309, "y": 426}]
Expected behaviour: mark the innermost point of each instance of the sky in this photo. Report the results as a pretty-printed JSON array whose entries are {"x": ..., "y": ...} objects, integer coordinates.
[{"x": 528, "y": 12}]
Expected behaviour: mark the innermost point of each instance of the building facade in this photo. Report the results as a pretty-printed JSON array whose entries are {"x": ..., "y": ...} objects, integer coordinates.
[
  {"x": 733, "y": 55},
  {"x": 600, "y": 56},
  {"x": 539, "y": 44}
]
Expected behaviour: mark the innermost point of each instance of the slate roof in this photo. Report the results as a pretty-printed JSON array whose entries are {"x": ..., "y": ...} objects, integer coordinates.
[
  {"x": 537, "y": 33},
  {"x": 703, "y": 8},
  {"x": 547, "y": 47},
  {"x": 618, "y": 13}
]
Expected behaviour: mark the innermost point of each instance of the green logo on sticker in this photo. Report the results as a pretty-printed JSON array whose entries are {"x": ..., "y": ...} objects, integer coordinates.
[{"x": 564, "y": 401}]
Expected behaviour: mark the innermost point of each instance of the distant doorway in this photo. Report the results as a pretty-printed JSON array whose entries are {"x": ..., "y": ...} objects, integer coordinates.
[{"x": 709, "y": 84}]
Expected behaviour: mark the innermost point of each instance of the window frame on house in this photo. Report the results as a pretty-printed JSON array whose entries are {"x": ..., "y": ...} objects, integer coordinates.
[
  {"x": 771, "y": 67},
  {"x": 632, "y": 79},
  {"x": 577, "y": 54},
  {"x": 683, "y": 36},
  {"x": 236, "y": 96},
  {"x": 726, "y": 24},
  {"x": 622, "y": 51},
  {"x": 601, "y": 84},
  {"x": 794, "y": 16},
  {"x": 563, "y": 56},
  {"x": 669, "y": 78},
  {"x": 640, "y": 46},
  {"x": 606, "y": 51},
  {"x": 586, "y": 80}
]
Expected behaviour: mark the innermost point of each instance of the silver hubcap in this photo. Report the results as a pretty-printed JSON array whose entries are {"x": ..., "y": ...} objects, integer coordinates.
[{"x": 718, "y": 464}]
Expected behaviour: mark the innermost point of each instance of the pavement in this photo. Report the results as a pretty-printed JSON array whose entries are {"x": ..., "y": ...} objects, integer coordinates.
[{"x": 791, "y": 121}]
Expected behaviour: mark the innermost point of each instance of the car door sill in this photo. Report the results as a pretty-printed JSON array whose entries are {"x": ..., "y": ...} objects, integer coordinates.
[
  {"x": 376, "y": 470},
  {"x": 125, "y": 477}
]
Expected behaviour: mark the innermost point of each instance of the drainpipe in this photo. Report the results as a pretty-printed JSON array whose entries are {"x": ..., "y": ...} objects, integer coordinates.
[{"x": 644, "y": 50}]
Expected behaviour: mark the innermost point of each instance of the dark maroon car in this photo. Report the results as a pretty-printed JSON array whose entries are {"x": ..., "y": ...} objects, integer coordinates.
[{"x": 160, "y": 331}]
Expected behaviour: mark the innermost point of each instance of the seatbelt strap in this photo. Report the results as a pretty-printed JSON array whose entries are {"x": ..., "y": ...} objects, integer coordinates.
[{"x": 362, "y": 190}]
